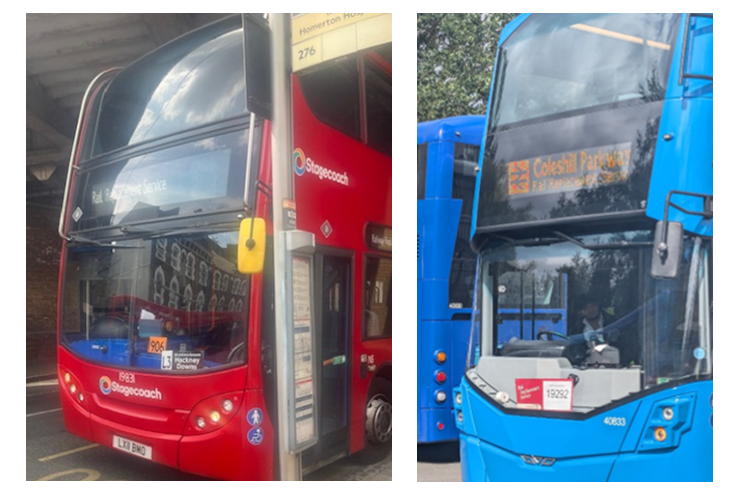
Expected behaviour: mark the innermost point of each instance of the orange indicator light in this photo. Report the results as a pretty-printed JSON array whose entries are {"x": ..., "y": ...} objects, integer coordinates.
[{"x": 660, "y": 434}]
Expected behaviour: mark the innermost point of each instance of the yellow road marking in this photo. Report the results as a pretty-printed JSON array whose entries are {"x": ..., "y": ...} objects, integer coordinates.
[
  {"x": 91, "y": 474},
  {"x": 69, "y": 452},
  {"x": 42, "y": 412}
]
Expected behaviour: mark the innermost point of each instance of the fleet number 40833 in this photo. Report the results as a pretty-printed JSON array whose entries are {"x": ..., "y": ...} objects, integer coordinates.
[{"x": 616, "y": 421}]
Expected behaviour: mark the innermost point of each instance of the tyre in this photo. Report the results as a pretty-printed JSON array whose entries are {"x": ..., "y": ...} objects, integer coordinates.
[{"x": 378, "y": 422}]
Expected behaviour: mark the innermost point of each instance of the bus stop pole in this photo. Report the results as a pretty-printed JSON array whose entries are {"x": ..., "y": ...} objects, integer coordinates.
[{"x": 281, "y": 158}]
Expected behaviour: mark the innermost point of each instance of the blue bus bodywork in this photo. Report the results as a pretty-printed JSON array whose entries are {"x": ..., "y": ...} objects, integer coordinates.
[
  {"x": 576, "y": 183},
  {"x": 447, "y": 151}
]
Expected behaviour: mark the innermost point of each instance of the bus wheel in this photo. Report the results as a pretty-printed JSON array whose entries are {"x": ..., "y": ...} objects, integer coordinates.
[{"x": 378, "y": 415}]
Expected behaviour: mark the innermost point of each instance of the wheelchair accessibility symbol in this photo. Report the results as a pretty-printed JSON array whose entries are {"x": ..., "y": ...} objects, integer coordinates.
[{"x": 255, "y": 436}]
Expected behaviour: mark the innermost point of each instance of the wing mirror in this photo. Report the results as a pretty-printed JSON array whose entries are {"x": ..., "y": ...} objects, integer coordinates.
[{"x": 251, "y": 247}]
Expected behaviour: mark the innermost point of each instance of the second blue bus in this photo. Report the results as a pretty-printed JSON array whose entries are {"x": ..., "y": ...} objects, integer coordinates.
[{"x": 447, "y": 152}]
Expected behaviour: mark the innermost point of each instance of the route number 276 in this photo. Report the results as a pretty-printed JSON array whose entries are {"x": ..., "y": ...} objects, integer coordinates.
[{"x": 307, "y": 51}]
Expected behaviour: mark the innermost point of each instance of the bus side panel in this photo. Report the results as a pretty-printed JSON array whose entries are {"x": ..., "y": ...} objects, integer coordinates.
[
  {"x": 344, "y": 186},
  {"x": 419, "y": 358},
  {"x": 437, "y": 245},
  {"x": 439, "y": 230},
  {"x": 344, "y": 183}
]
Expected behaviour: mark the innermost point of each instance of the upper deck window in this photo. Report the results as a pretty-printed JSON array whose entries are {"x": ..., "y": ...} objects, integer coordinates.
[
  {"x": 332, "y": 92},
  {"x": 379, "y": 111},
  {"x": 189, "y": 83},
  {"x": 353, "y": 95},
  {"x": 561, "y": 63}
]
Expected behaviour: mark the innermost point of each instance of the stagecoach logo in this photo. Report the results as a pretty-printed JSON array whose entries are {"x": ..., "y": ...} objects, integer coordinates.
[
  {"x": 107, "y": 386},
  {"x": 304, "y": 164},
  {"x": 532, "y": 460}
]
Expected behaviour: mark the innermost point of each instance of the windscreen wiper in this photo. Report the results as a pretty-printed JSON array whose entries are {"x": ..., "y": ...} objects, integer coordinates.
[
  {"x": 74, "y": 238},
  {"x": 604, "y": 246},
  {"x": 148, "y": 234}
]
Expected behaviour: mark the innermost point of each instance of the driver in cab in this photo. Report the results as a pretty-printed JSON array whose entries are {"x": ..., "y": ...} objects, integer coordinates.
[{"x": 591, "y": 316}]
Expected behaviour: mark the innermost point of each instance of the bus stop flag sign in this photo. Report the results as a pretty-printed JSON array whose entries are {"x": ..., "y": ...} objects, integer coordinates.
[{"x": 317, "y": 38}]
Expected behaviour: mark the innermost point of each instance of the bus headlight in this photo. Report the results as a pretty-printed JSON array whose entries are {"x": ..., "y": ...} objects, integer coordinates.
[
  {"x": 213, "y": 413},
  {"x": 667, "y": 413},
  {"x": 72, "y": 386},
  {"x": 459, "y": 398},
  {"x": 440, "y": 397}
]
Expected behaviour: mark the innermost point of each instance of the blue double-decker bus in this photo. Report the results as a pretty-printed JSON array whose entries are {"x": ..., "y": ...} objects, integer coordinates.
[
  {"x": 595, "y": 195},
  {"x": 447, "y": 152}
]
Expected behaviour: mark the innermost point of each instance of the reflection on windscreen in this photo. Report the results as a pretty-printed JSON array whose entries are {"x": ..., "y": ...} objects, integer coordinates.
[
  {"x": 175, "y": 304},
  {"x": 601, "y": 308},
  {"x": 199, "y": 177},
  {"x": 185, "y": 85},
  {"x": 556, "y": 63}
]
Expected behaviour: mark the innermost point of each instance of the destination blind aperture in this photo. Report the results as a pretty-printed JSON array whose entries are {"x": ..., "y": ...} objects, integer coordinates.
[{"x": 570, "y": 170}]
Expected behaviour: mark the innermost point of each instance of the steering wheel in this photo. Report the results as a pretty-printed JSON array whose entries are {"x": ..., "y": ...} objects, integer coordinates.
[
  {"x": 549, "y": 334},
  {"x": 235, "y": 354}
]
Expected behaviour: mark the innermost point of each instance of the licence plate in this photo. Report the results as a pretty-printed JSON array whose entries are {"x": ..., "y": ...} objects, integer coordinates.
[{"x": 132, "y": 447}]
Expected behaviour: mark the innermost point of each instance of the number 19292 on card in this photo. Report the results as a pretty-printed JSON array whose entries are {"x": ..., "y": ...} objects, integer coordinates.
[{"x": 544, "y": 394}]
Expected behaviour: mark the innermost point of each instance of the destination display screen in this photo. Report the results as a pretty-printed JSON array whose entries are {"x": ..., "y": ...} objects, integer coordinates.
[
  {"x": 572, "y": 166},
  {"x": 569, "y": 171},
  {"x": 198, "y": 177}
]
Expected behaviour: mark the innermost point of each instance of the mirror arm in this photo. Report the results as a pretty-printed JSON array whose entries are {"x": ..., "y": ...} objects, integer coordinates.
[
  {"x": 264, "y": 188},
  {"x": 706, "y": 213}
]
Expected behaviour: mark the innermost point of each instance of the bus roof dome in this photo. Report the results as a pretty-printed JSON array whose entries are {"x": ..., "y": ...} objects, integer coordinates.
[{"x": 195, "y": 80}]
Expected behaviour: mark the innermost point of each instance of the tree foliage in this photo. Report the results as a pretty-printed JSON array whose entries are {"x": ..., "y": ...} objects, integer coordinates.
[{"x": 455, "y": 55}]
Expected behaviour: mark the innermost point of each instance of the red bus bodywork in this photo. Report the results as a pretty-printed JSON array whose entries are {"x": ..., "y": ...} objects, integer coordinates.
[{"x": 160, "y": 409}]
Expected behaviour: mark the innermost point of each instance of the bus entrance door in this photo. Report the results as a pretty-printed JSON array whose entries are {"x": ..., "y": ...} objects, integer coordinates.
[{"x": 334, "y": 319}]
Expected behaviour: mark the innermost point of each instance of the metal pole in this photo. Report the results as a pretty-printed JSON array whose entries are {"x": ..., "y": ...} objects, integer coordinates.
[{"x": 280, "y": 24}]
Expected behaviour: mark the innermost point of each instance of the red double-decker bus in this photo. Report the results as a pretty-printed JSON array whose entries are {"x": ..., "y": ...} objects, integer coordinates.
[{"x": 166, "y": 350}]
